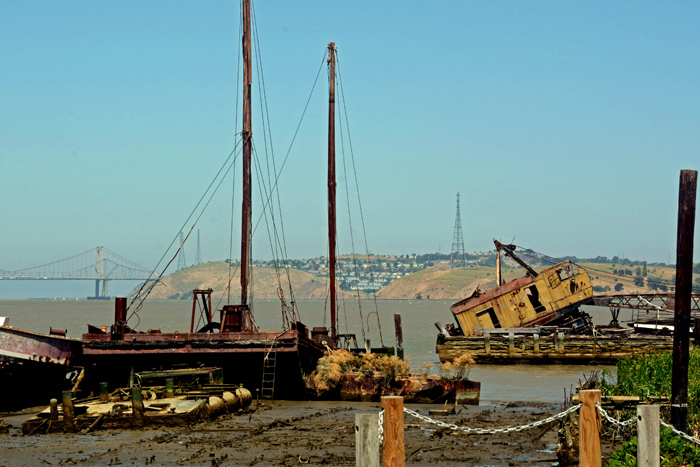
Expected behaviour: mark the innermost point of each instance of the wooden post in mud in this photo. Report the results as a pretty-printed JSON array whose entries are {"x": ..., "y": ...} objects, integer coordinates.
[
  {"x": 137, "y": 406},
  {"x": 393, "y": 448},
  {"x": 648, "y": 452},
  {"x": 68, "y": 410},
  {"x": 684, "y": 285},
  {"x": 53, "y": 405},
  {"x": 589, "y": 430},
  {"x": 366, "y": 440}
]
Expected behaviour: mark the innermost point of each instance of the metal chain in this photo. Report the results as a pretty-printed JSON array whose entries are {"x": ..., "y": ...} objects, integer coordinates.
[
  {"x": 680, "y": 433},
  {"x": 381, "y": 427},
  {"x": 612, "y": 420},
  {"x": 485, "y": 431}
]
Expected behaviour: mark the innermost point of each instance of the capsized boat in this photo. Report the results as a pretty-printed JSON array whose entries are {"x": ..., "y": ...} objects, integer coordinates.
[{"x": 551, "y": 297}]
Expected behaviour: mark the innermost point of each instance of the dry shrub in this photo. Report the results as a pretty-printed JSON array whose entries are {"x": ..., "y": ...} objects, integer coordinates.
[
  {"x": 331, "y": 368},
  {"x": 388, "y": 367},
  {"x": 457, "y": 369},
  {"x": 334, "y": 365}
]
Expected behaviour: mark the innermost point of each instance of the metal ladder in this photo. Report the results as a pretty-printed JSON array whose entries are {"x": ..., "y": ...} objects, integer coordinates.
[{"x": 269, "y": 366}]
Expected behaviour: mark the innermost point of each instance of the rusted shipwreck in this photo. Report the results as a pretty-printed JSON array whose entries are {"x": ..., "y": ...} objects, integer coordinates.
[
  {"x": 538, "y": 319},
  {"x": 35, "y": 363}
]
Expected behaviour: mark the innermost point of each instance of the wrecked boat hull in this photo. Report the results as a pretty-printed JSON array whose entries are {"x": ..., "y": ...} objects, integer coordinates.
[
  {"x": 33, "y": 366},
  {"x": 553, "y": 349},
  {"x": 241, "y": 355}
]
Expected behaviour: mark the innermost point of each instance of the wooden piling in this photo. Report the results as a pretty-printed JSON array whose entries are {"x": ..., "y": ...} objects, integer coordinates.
[
  {"x": 589, "y": 430},
  {"x": 399, "y": 335},
  {"x": 104, "y": 392},
  {"x": 366, "y": 440},
  {"x": 393, "y": 448},
  {"x": 68, "y": 411},
  {"x": 53, "y": 406},
  {"x": 648, "y": 451},
  {"x": 511, "y": 343},
  {"x": 684, "y": 283},
  {"x": 137, "y": 406}
]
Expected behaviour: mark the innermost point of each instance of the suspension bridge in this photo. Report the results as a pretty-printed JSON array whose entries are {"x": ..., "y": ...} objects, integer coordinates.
[{"x": 98, "y": 264}]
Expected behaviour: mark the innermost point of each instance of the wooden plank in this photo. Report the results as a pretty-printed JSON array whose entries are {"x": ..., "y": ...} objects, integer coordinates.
[
  {"x": 366, "y": 440},
  {"x": 393, "y": 449},
  {"x": 589, "y": 430},
  {"x": 648, "y": 451}
]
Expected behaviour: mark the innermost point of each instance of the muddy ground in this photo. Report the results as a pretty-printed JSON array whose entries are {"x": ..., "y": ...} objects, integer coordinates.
[{"x": 293, "y": 433}]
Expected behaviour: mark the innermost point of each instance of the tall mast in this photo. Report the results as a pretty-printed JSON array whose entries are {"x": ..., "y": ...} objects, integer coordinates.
[
  {"x": 247, "y": 143},
  {"x": 331, "y": 184}
]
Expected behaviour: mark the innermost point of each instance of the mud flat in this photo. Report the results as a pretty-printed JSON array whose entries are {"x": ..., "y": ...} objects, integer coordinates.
[{"x": 294, "y": 433}]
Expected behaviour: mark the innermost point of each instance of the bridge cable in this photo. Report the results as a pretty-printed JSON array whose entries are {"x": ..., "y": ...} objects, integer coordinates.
[{"x": 195, "y": 223}]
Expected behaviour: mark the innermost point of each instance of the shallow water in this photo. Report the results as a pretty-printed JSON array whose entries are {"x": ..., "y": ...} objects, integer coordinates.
[{"x": 545, "y": 383}]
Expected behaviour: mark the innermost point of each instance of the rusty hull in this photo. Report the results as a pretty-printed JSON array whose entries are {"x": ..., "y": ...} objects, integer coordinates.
[
  {"x": 17, "y": 345},
  {"x": 415, "y": 389},
  {"x": 190, "y": 343}
]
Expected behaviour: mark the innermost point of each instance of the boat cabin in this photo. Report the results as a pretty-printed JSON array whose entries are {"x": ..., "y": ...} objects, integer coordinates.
[{"x": 527, "y": 301}]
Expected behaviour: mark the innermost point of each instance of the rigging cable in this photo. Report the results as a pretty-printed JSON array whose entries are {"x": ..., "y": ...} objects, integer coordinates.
[
  {"x": 138, "y": 307},
  {"x": 284, "y": 162},
  {"x": 359, "y": 200},
  {"x": 352, "y": 237},
  {"x": 233, "y": 187},
  {"x": 552, "y": 261}
]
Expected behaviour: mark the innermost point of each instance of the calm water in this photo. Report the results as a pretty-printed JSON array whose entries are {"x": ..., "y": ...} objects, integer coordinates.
[{"x": 499, "y": 383}]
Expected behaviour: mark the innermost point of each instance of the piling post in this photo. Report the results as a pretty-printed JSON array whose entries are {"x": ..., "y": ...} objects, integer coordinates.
[
  {"x": 68, "y": 410},
  {"x": 368, "y": 347},
  {"x": 648, "y": 451},
  {"x": 104, "y": 392},
  {"x": 366, "y": 440},
  {"x": 393, "y": 448},
  {"x": 53, "y": 405},
  {"x": 536, "y": 343},
  {"x": 684, "y": 283},
  {"x": 399, "y": 335},
  {"x": 589, "y": 430},
  {"x": 169, "y": 387},
  {"x": 137, "y": 406}
]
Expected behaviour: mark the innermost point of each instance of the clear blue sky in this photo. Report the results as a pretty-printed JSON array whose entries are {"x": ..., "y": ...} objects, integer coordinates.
[{"x": 563, "y": 125}]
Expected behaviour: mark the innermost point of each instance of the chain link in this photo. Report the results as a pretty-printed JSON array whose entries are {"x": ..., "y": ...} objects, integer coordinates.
[
  {"x": 485, "y": 431},
  {"x": 612, "y": 420},
  {"x": 680, "y": 433},
  {"x": 381, "y": 427}
]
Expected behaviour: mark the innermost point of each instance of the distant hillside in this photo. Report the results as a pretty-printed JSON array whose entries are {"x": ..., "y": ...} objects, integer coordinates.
[
  {"x": 434, "y": 283},
  {"x": 215, "y": 275},
  {"x": 441, "y": 283}
]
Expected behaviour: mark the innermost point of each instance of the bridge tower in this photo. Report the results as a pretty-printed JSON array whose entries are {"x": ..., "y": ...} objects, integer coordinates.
[
  {"x": 101, "y": 284},
  {"x": 457, "y": 257},
  {"x": 181, "y": 263},
  {"x": 198, "y": 254}
]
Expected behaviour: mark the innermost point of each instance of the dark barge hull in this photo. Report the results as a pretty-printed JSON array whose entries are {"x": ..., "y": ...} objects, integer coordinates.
[
  {"x": 553, "y": 349},
  {"x": 240, "y": 354},
  {"x": 33, "y": 367}
]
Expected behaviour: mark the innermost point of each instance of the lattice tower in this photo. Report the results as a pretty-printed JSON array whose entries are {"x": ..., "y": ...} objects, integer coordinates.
[
  {"x": 181, "y": 263},
  {"x": 457, "y": 257},
  {"x": 198, "y": 254}
]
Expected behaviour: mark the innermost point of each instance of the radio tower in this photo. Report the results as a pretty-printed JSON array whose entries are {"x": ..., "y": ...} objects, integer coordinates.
[
  {"x": 457, "y": 256},
  {"x": 198, "y": 255},
  {"x": 181, "y": 263}
]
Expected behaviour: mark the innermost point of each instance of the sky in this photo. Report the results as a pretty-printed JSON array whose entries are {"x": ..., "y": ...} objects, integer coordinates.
[{"x": 563, "y": 125}]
